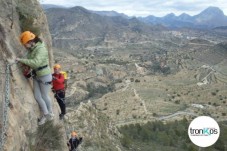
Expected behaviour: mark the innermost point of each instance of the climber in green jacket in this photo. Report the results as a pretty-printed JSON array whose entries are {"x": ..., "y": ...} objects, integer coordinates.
[{"x": 38, "y": 61}]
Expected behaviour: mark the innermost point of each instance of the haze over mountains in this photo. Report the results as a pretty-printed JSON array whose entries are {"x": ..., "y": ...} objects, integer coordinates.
[{"x": 209, "y": 18}]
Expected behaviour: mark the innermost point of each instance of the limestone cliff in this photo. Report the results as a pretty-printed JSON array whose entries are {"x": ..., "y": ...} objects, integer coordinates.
[
  {"x": 16, "y": 16},
  {"x": 97, "y": 130}
]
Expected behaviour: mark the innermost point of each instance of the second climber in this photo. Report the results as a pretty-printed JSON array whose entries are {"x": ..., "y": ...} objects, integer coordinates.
[{"x": 59, "y": 88}]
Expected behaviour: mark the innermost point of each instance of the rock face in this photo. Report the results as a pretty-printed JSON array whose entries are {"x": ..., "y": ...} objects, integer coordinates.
[
  {"x": 22, "y": 116},
  {"x": 94, "y": 126}
]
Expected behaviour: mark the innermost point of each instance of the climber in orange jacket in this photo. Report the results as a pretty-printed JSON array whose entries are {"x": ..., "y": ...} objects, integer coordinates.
[{"x": 59, "y": 88}]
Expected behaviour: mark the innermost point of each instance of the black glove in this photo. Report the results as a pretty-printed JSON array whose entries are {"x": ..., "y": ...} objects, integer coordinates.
[{"x": 80, "y": 139}]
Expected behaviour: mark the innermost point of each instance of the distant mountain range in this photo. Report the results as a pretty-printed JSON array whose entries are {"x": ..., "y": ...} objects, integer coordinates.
[
  {"x": 209, "y": 18},
  {"x": 111, "y": 14},
  {"x": 77, "y": 26},
  {"x": 48, "y": 6}
]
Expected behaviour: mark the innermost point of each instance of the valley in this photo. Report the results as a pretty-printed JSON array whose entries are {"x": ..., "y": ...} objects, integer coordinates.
[{"x": 134, "y": 73}]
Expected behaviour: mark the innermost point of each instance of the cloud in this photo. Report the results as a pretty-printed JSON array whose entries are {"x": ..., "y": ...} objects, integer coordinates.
[{"x": 144, "y": 7}]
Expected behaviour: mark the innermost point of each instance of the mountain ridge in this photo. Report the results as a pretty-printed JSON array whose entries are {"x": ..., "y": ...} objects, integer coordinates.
[
  {"x": 78, "y": 24},
  {"x": 209, "y": 18}
]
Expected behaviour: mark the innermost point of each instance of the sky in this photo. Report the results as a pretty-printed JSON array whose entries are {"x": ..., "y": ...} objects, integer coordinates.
[{"x": 144, "y": 8}]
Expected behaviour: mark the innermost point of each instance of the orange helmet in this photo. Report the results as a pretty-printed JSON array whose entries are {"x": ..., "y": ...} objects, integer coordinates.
[
  {"x": 57, "y": 66},
  {"x": 73, "y": 133},
  {"x": 26, "y": 37}
]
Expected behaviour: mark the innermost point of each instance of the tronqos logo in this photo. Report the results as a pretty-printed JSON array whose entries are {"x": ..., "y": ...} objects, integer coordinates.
[{"x": 203, "y": 131}]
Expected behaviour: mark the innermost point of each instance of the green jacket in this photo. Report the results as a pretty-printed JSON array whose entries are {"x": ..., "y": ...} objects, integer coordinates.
[{"x": 38, "y": 57}]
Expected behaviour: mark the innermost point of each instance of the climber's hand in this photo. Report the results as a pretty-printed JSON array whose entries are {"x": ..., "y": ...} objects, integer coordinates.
[{"x": 18, "y": 59}]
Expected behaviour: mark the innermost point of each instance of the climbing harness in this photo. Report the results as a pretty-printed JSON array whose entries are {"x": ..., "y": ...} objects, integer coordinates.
[
  {"x": 28, "y": 72},
  {"x": 40, "y": 68},
  {"x": 40, "y": 81},
  {"x": 31, "y": 73},
  {"x": 56, "y": 94}
]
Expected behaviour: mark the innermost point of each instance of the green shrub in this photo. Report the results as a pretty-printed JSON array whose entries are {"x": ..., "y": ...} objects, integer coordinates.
[
  {"x": 213, "y": 93},
  {"x": 126, "y": 141},
  {"x": 132, "y": 79},
  {"x": 171, "y": 134},
  {"x": 137, "y": 80},
  {"x": 47, "y": 137},
  {"x": 93, "y": 91},
  {"x": 117, "y": 112},
  {"x": 27, "y": 16},
  {"x": 177, "y": 101}
]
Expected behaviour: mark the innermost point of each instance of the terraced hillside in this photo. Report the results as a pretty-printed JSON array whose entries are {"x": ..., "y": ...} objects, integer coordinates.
[{"x": 195, "y": 86}]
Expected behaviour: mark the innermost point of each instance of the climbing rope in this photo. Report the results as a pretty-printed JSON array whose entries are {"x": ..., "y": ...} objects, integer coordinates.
[{"x": 5, "y": 107}]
